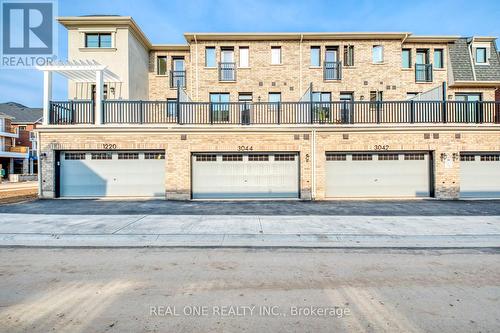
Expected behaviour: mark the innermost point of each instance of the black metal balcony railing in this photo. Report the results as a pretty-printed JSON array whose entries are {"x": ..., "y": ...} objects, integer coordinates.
[
  {"x": 72, "y": 112},
  {"x": 227, "y": 71},
  {"x": 423, "y": 72},
  {"x": 177, "y": 78},
  {"x": 332, "y": 70},
  {"x": 247, "y": 113}
]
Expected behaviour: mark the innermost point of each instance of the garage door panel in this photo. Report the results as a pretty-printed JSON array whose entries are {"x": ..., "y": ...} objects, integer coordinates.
[
  {"x": 373, "y": 176},
  {"x": 480, "y": 175},
  {"x": 112, "y": 177},
  {"x": 245, "y": 178}
]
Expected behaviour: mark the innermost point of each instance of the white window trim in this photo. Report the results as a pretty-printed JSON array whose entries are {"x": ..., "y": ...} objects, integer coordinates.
[
  {"x": 280, "y": 53},
  {"x": 487, "y": 55},
  {"x": 83, "y": 31}
]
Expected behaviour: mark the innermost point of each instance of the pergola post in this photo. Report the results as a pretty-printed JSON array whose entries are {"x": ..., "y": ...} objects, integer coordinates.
[
  {"x": 99, "y": 88},
  {"x": 47, "y": 95}
]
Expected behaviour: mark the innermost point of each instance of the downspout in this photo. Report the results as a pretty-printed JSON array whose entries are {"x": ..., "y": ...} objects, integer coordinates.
[
  {"x": 39, "y": 171},
  {"x": 197, "y": 75},
  {"x": 472, "y": 59},
  {"x": 313, "y": 162},
  {"x": 404, "y": 39},
  {"x": 300, "y": 64}
]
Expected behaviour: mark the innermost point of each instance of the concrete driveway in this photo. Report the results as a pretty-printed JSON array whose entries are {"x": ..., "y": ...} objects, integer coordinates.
[{"x": 421, "y": 224}]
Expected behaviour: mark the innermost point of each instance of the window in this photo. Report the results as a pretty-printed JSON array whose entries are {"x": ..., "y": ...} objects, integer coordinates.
[
  {"x": 206, "y": 158},
  {"x": 362, "y": 157},
  {"x": 154, "y": 156},
  {"x": 232, "y": 158},
  {"x": 74, "y": 156},
  {"x": 465, "y": 97},
  {"x": 258, "y": 157},
  {"x": 349, "y": 55},
  {"x": 315, "y": 56},
  {"x": 274, "y": 97},
  {"x": 101, "y": 156},
  {"x": 481, "y": 55},
  {"x": 467, "y": 158},
  {"x": 178, "y": 76},
  {"x": 227, "y": 55},
  {"x": 490, "y": 158},
  {"x": 210, "y": 57},
  {"x": 410, "y": 95},
  {"x": 244, "y": 57},
  {"x": 388, "y": 157},
  {"x": 335, "y": 157},
  {"x": 161, "y": 65},
  {"x": 22, "y": 128},
  {"x": 128, "y": 156},
  {"x": 276, "y": 55},
  {"x": 219, "y": 106},
  {"x": 377, "y": 54},
  {"x": 325, "y": 97},
  {"x": 284, "y": 157},
  {"x": 245, "y": 97},
  {"x": 438, "y": 58},
  {"x": 376, "y": 96},
  {"x": 96, "y": 40},
  {"x": 414, "y": 157},
  {"x": 406, "y": 58}
]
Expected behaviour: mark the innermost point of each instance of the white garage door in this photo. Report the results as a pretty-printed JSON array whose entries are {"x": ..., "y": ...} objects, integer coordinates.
[
  {"x": 384, "y": 175},
  {"x": 244, "y": 176},
  {"x": 480, "y": 175},
  {"x": 112, "y": 174}
]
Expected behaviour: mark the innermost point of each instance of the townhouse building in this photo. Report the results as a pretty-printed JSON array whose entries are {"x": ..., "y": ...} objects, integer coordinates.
[
  {"x": 24, "y": 121},
  {"x": 271, "y": 115},
  {"x": 12, "y": 156}
]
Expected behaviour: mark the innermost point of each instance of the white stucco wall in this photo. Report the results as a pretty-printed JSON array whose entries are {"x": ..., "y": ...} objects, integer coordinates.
[{"x": 128, "y": 58}]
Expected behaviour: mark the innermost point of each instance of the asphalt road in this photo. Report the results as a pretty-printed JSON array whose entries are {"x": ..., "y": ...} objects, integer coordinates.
[
  {"x": 230, "y": 290},
  {"x": 288, "y": 208}
]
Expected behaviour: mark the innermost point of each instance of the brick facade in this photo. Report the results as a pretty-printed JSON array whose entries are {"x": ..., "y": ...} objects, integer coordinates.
[{"x": 443, "y": 142}]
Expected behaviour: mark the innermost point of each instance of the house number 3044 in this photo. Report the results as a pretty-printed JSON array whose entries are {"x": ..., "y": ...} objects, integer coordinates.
[{"x": 245, "y": 148}]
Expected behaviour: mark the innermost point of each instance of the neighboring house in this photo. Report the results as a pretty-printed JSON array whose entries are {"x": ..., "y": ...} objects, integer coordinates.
[
  {"x": 13, "y": 158},
  {"x": 271, "y": 115},
  {"x": 25, "y": 120}
]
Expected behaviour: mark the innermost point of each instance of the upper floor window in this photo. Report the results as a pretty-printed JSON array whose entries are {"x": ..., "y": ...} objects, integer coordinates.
[
  {"x": 406, "y": 58},
  {"x": 349, "y": 55},
  {"x": 22, "y": 128},
  {"x": 276, "y": 55},
  {"x": 98, "y": 40},
  {"x": 481, "y": 55},
  {"x": 244, "y": 57},
  {"x": 438, "y": 58},
  {"x": 377, "y": 54},
  {"x": 315, "y": 56},
  {"x": 210, "y": 57},
  {"x": 161, "y": 65}
]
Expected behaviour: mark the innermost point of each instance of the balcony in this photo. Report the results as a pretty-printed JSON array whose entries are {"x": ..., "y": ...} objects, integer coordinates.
[
  {"x": 227, "y": 71},
  {"x": 177, "y": 79},
  {"x": 332, "y": 70},
  {"x": 423, "y": 72},
  {"x": 287, "y": 113},
  {"x": 9, "y": 131}
]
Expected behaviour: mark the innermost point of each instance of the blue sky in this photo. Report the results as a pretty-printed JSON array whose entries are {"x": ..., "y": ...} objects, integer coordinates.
[{"x": 166, "y": 21}]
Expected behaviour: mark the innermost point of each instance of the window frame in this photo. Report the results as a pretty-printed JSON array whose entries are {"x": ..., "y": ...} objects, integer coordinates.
[
  {"x": 158, "y": 58},
  {"x": 317, "y": 56},
  {"x": 278, "y": 48},
  {"x": 99, "y": 41},
  {"x": 212, "y": 48},
  {"x": 381, "y": 48},
  {"x": 485, "y": 49},
  {"x": 348, "y": 56},
  {"x": 247, "y": 49},
  {"x": 409, "y": 58},
  {"x": 441, "y": 59}
]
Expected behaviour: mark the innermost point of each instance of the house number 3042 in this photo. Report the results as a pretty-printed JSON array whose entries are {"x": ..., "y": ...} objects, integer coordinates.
[{"x": 381, "y": 147}]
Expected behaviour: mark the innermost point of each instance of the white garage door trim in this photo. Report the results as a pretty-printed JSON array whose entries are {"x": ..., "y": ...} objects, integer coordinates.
[
  {"x": 256, "y": 175},
  {"x": 390, "y": 174},
  {"x": 480, "y": 175},
  {"x": 95, "y": 174}
]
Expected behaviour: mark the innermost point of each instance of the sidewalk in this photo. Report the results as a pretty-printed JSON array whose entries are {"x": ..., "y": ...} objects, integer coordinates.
[{"x": 50, "y": 230}]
